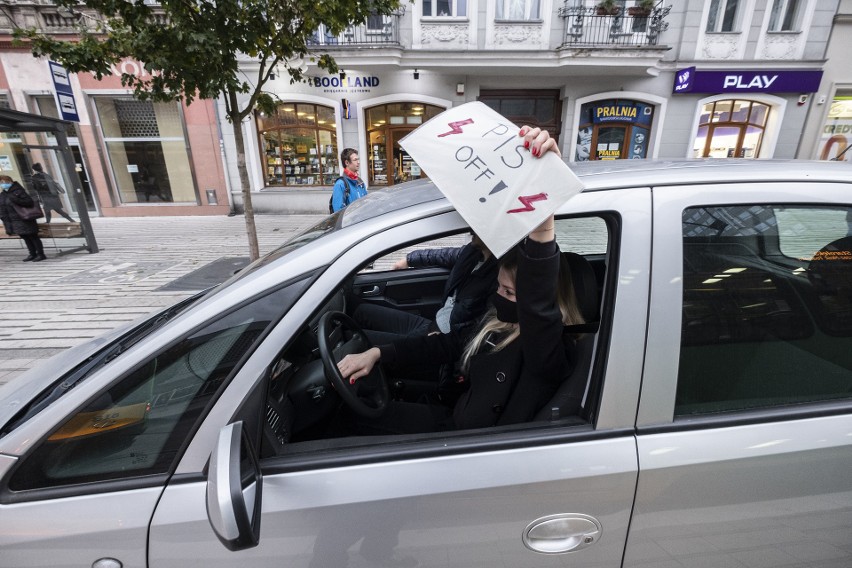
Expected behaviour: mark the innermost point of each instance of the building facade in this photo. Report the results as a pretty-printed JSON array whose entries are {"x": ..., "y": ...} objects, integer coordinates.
[
  {"x": 828, "y": 130},
  {"x": 134, "y": 158},
  {"x": 686, "y": 79}
]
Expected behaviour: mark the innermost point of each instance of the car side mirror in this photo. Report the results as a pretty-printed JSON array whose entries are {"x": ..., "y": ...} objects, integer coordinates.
[{"x": 234, "y": 484}]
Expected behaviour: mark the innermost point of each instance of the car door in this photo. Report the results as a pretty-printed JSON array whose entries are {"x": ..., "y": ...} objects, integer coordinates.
[
  {"x": 542, "y": 494},
  {"x": 746, "y": 413}
]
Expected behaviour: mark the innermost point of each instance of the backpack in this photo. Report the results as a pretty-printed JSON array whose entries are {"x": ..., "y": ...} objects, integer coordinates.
[{"x": 345, "y": 194}]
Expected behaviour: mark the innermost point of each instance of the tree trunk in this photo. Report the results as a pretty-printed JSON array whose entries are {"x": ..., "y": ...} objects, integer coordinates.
[{"x": 248, "y": 209}]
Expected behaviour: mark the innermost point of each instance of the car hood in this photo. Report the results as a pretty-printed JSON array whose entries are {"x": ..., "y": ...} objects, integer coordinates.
[{"x": 18, "y": 392}]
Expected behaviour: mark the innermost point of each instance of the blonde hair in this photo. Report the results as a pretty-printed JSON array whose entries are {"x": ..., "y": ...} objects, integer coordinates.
[{"x": 566, "y": 298}]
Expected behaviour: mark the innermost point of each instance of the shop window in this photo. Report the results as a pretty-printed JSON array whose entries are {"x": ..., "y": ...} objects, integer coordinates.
[
  {"x": 299, "y": 145},
  {"x": 784, "y": 15},
  {"x": 387, "y": 163},
  {"x": 147, "y": 150},
  {"x": 836, "y": 136},
  {"x": 444, "y": 8},
  {"x": 731, "y": 129},
  {"x": 722, "y": 16},
  {"x": 614, "y": 129},
  {"x": 517, "y": 10}
]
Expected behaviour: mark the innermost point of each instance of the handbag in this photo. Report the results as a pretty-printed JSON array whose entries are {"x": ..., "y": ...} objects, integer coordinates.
[{"x": 28, "y": 213}]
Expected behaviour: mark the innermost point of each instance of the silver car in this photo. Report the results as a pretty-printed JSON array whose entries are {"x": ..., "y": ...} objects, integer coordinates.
[{"x": 715, "y": 428}]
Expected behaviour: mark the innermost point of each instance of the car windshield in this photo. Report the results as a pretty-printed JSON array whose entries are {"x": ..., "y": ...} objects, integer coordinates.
[{"x": 69, "y": 380}]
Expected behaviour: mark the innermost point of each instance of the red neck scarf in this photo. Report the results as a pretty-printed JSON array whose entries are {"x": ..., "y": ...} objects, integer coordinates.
[{"x": 351, "y": 175}]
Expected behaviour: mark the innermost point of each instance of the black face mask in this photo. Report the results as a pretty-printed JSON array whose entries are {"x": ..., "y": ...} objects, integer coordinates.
[{"x": 507, "y": 310}]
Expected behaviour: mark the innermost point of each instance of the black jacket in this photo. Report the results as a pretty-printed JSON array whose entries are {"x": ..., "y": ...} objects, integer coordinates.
[
  {"x": 13, "y": 224},
  {"x": 508, "y": 386},
  {"x": 471, "y": 287}
]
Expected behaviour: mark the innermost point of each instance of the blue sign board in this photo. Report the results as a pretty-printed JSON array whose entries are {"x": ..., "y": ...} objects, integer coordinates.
[
  {"x": 64, "y": 94},
  {"x": 689, "y": 80}
]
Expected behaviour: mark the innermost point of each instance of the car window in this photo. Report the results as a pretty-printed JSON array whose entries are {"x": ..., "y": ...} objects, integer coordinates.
[
  {"x": 138, "y": 426},
  {"x": 767, "y": 307},
  {"x": 304, "y": 414},
  {"x": 584, "y": 236}
]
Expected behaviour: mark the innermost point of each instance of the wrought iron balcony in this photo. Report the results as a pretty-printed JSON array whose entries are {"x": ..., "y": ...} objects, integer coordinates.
[
  {"x": 591, "y": 26},
  {"x": 377, "y": 30}
]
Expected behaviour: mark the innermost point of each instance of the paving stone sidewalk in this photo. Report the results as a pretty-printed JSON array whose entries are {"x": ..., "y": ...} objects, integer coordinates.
[{"x": 49, "y": 306}]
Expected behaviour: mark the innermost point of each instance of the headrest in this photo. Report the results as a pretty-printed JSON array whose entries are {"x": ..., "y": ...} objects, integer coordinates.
[
  {"x": 585, "y": 285},
  {"x": 831, "y": 266}
]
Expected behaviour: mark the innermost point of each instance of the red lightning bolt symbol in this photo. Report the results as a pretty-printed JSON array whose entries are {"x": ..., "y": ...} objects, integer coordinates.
[
  {"x": 528, "y": 200},
  {"x": 456, "y": 127}
]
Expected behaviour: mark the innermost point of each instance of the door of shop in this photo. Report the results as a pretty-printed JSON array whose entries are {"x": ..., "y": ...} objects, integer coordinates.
[
  {"x": 403, "y": 166},
  {"x": 609, "y": 144}
]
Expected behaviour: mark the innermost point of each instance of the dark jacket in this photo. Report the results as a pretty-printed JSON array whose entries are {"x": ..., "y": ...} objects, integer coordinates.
[
  {"x": 508, "y": 386},
  {"x": 13, "y": 224},
  {"x": 45, "y": 186},
  {"x": 471, "y": 287}
]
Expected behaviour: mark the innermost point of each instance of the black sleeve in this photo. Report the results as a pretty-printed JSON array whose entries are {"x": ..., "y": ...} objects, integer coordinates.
[
  {"x": 423, "y": 349},
  {"x": 539, "y": 317},
  {"x": 443, "y": 257}
]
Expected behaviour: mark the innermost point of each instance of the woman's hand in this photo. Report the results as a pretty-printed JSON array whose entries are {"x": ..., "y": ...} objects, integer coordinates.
[
  {"x": 538, "y": 141},
  {"x": 358, "y": 365},
  {"x": 400, "y": 264}
]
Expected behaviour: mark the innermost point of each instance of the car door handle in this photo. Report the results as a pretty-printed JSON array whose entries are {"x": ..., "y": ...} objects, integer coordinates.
[
  {"x": 374, "y": 291},
  {"x": 566, "y": 532}
]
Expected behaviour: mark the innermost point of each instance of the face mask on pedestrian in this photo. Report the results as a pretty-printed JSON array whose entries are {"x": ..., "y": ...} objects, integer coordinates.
[
  {"x": 507, "y": 310},
  {"x": 5, "y": 185}
]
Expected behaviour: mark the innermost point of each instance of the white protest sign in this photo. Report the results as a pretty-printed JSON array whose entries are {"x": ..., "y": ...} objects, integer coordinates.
[{"x": 476, "y": 158}]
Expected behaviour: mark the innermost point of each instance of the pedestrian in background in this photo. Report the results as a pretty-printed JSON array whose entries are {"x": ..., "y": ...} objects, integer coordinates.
[
  {"x": 48, "y": 193},
  {"x": 349, "y": 186},
  {"x": 13, "y": 199}
]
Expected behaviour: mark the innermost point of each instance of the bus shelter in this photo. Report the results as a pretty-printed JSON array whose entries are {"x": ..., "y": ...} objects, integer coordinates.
[{"x": 23, "y": 146}]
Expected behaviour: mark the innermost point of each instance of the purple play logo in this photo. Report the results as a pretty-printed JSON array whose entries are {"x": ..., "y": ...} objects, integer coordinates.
[{"x": 683, "y": 80}]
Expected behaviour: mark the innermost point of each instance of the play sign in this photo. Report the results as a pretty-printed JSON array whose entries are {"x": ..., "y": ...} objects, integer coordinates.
[{"x": 476, "y": 158}]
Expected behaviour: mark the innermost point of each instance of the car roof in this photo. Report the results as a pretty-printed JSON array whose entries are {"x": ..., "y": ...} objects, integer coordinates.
[{"x": 617, "y": 174}]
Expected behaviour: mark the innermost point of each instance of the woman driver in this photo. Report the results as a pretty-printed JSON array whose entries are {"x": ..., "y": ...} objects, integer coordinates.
[{"x": 516, "y": 360}]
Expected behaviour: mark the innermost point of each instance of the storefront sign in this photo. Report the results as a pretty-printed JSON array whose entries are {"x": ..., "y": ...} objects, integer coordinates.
[
  {"x": 476, "y": 158},
  {"x": 344, "y": 84},
  {"x": 64, "y": 94},
  {"x": 691, "y": 81}
]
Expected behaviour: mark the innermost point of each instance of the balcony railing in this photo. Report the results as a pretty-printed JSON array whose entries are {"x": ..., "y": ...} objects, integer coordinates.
[
  {"x": 591, "y": 27},
  {"x": 377, "y": 30}
]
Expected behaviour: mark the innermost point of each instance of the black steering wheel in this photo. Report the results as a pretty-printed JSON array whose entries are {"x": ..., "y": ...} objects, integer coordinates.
[{"x": 338, "y": 336}]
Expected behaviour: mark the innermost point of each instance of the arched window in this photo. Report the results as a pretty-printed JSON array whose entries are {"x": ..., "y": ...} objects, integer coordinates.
[
  {"x": 731, "y": 129},
  {"x": 299, "y": 145},
  {"x": 387, "y": 162}
]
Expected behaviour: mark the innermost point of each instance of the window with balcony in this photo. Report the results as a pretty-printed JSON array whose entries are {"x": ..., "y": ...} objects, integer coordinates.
[
  {"x": 784, "y": 16},
  {"x": 518, "y": 10},
  {"x": 444, "y": 8},
  {"x": 722, "y": 16}
]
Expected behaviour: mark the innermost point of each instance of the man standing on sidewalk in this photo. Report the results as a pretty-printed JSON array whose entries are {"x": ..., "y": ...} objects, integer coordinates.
[{"x": 348, "y": 186}]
